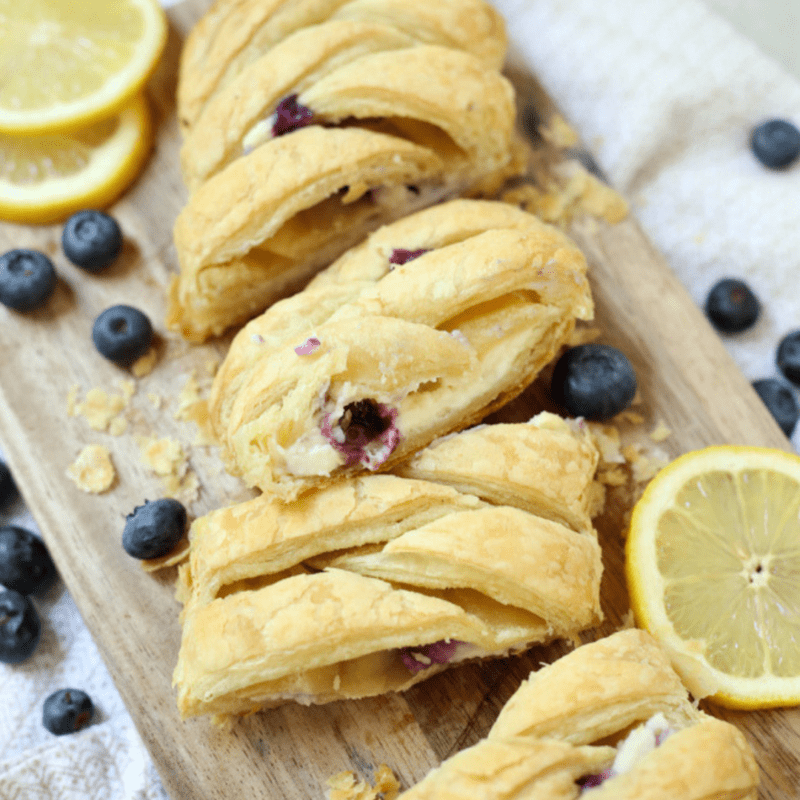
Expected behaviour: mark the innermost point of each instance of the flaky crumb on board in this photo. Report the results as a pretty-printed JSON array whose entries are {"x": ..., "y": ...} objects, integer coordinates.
[
  {"x": 99, "y": 408},
  {"x": 558, "y": 132},
  {"x": 571, "y": 191},
  {"x": 167, "y": 459},
  {"x": 193, "y": 407},
  {"x": 143, "y": 366},
  {"x": 92, "y": 471},
  {"x": 348, "y": 786},
  {"x": 178, "y": 555}
]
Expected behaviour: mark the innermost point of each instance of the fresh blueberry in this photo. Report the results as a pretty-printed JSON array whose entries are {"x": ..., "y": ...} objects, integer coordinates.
[
  {"x": 122, "y": 334},
  {"x": 781, "y": 402},
  {"x": 788, "y": 357},
  {"x": 776, "y": 143},
  {"x": 27, "y": 279},
  {"x": 91, "y": 240},
  {"x": 595, "y": 381},
  {"x": 8, "y": 489},
  {"x": 67, "y": 711},
  {"x": 153, "y": 530},
  {"x": 25, "y": 564},
  {"x": 20, "y": 627},
  {"x": 731, "y": 306}
]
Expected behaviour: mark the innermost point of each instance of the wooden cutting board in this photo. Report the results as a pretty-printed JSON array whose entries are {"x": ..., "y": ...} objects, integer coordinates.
[{"x": 687, "y": 380}]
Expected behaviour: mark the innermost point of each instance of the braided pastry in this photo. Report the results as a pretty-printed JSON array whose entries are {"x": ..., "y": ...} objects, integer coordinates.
[
  {"x": 424, "y": 349},
  {"x": 310, "y": 123},
  {"x": 600, "y": 693},
  {"x": 371, "y": 585}
]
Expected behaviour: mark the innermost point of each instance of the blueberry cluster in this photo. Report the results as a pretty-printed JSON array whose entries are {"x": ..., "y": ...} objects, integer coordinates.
[
  {"x": 732, "y": 307},
  {"x": 92, "y": 240},
  {"x": 27, "y": 570}
]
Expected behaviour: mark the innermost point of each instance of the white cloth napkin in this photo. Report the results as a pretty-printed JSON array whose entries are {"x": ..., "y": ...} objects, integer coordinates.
[{"x": 665, "y": 94}]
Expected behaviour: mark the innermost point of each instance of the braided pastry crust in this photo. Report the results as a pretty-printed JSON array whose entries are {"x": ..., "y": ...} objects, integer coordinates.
[
  {"x": 310, "y": 123},
  {"x": 371, "y": 585},
  {"x": 596, "y": 695}
]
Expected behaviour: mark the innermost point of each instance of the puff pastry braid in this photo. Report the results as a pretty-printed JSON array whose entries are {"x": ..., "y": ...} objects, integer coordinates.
[
  {"x": 622, "y": 690},
  {"x": 427, "y": 348},
  {"x": 371, "y": 585},
  {"x": 325, "y": 120}
]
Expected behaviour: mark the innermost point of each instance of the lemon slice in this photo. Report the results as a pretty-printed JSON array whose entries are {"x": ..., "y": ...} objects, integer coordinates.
[
  {"x": 46, "y": 178},
  {"x": 70, "y": 62},
  {"x": 713, "y": 570}
]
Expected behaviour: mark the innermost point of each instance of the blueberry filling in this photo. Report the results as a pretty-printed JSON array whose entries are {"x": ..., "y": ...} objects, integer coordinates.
[
  {"x": 290, "y": 115},
  {"x": 418, "y": 658},
  {"x": 402, "y": 256},
  {"x": 590, "y": 781},
  {"x": 309, "y": 346},
  {"x": 365, "y": 434}
]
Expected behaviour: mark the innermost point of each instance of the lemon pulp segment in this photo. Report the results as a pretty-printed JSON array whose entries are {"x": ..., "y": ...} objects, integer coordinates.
[{"x": 729, "y": 553}]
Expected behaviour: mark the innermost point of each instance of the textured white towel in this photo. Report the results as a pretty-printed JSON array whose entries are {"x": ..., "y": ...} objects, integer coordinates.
[{"x": 665, "y": 93}]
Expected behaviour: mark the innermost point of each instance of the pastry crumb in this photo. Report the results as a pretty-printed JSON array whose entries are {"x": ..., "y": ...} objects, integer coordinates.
[
  {"x": 192, "y": 407},
  {"x": 558, "y": 132},
  {"x": 660, "y": 432},
  {"x": 167, "y": 459},
  {"x": 178, "y": 555},
  {"x": 99, "y": 408},
  {"x": 143, "y": 366},
  {"x": 72, "y": 399},
  {"x": 92, "y": 471},
  {"x": 155, "y": 400},
  {"x": 572, "y": 192},
  {"x": 347, "y": 786}
]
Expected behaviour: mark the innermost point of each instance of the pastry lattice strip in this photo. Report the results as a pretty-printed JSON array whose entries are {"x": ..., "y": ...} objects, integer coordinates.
[
  {"x": 552, "y": 738},
  {"x": 312, "y": 122},
  {"x": 461, "y": 578},
  {"x": 432, "y": 345}
]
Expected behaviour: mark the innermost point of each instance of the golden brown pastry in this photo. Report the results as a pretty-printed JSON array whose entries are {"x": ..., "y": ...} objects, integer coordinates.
[
  {"x": 545, "y": 466},
  {"x": 431, "y": 347},
  {"x": 619, "y": 690},
  {"x": 235, "y": 33},
  {"x": 324, "y": 120},
  {"x": 438, "y": 228},
  {"x": 370, "y": 585}
]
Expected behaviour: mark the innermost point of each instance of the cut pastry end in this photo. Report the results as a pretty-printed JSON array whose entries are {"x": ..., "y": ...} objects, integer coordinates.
[{"x": 711, "y": 563}]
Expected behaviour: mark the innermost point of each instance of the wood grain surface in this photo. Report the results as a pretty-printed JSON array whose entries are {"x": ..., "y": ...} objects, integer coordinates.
[{"x": 687, "y": 380}]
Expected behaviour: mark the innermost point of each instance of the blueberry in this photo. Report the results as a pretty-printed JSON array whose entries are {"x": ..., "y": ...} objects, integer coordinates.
[
  {"x": 776, "y": 143},
  {"x": 122, "y": 334},
  {"x": 731, "y": 306},
  {"x": 779, "y": 399},
  {"x": 67, "y": 711},
  {"x": 20, "y": 627},
  {"x": 25, "y": 564},
  {"x": 8, "y": 489},
  {"x": 153, "y": 530},
  {"x": 27, "y": 279},
  {"x": 91, "y": 239},
  {"x": 595, "y": 381},
  {"x": 291, "y": 115},
  {"x": 788, "y": 356}
]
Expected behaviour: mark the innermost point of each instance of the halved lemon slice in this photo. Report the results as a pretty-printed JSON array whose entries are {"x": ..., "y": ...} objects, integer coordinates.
[
  {"x": 69, "y": 62},
  {"x": 713, "y": 570},
  {"x": 46, "y": 178}
]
